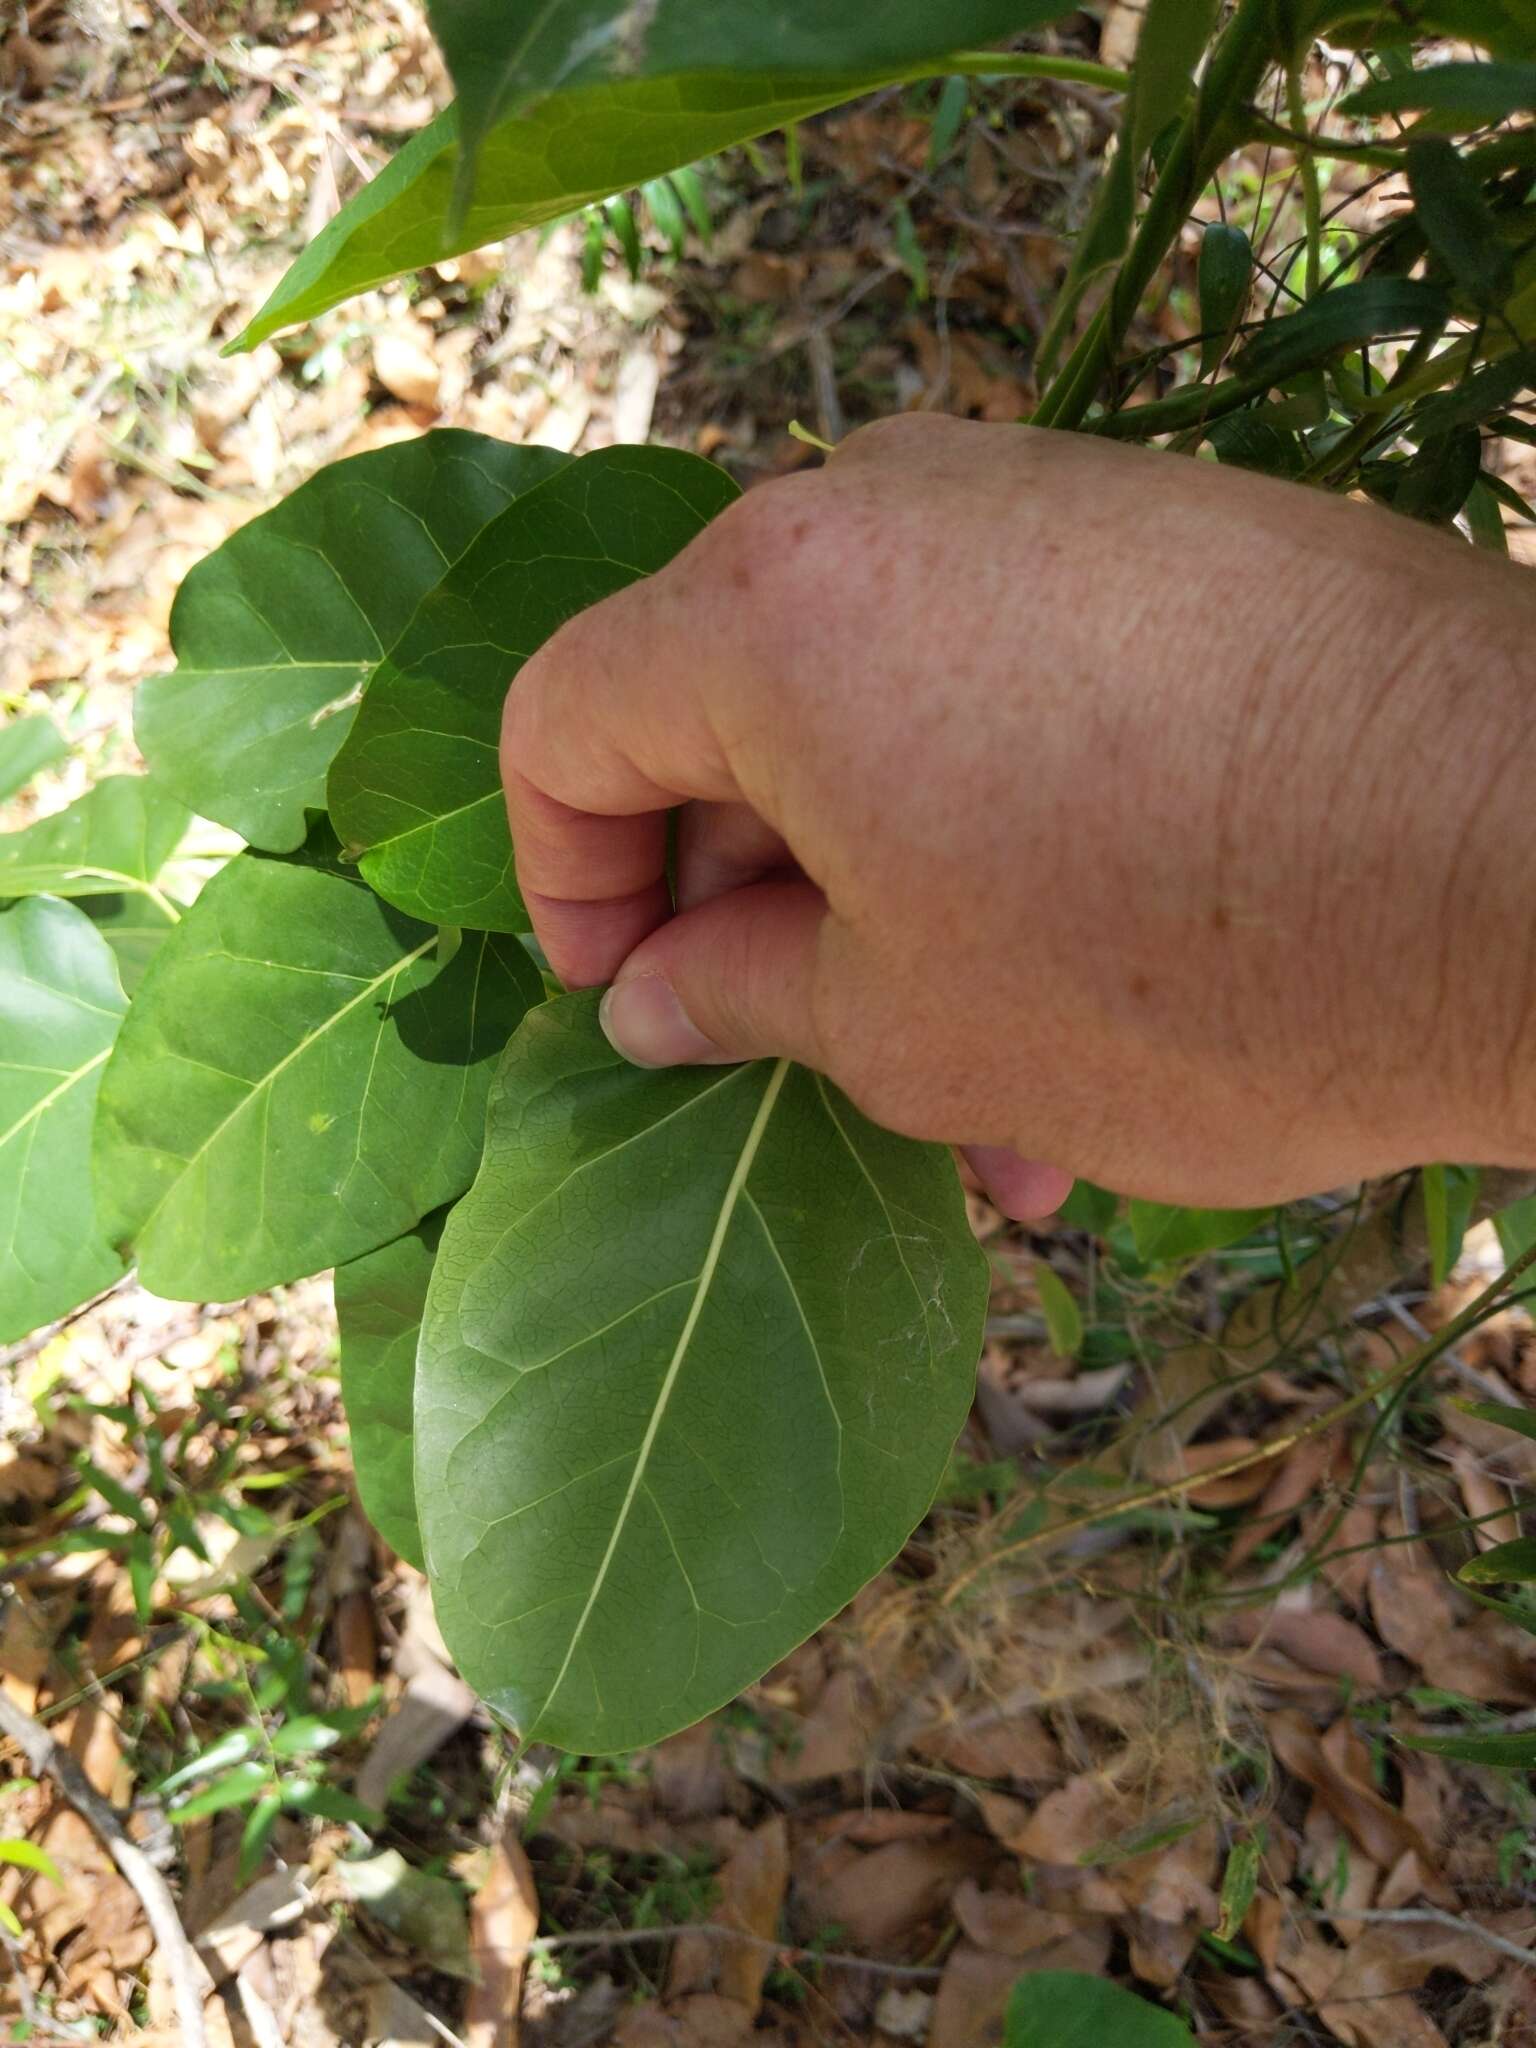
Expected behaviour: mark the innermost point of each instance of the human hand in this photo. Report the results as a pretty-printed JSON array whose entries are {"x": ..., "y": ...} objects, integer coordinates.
[{"x": 1065, "y": 800}]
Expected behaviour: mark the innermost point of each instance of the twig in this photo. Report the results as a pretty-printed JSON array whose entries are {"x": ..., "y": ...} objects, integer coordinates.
[
  {"x": 48, "y": 1758},
  {"x": 632, "y": 1937},
  {"x": 1427, "y": 1916}
]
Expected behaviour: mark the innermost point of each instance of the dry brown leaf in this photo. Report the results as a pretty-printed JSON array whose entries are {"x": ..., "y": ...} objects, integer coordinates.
[
  {"x": 1366, "y": 1817},
  {"x": 1410, "y": 1602},
  {"x": 1487, "y": 1501},
  {"x": 973, "y": 1992},
  {"x": 1316, "y": 1640},
  {"x": 1006, "y": 1924},
  {"x": 987, "y": 1742},
  {"x": 405, "y": 363},
  {"x": 1160, "y": 1950},
  {"x": 433, "y": 1706},
  {"x": 1296, "y": 1481},
  {"x": 690, "y": 1776},
  {"x": 703, "y": 2021},
  {"x": 882, "y": 1897},
  {"x": 750, "y": 1895},
  {"x": 1486, "y": 1659},
  {"x": 503, "y": 1919},
  {"x": 1070, "y": 1823},
  {"x": 834, "y": 1737},
  {"x": 357, "y": 1646}
]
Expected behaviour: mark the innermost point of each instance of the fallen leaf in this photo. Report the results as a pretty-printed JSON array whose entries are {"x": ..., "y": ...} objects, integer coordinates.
[
  {"x": 751, "y": 1885},
  {"x": 503, "y": 1919}
]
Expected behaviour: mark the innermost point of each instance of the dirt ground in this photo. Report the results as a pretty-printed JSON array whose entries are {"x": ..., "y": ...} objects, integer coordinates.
[{"x": 1161, "y": 1749}]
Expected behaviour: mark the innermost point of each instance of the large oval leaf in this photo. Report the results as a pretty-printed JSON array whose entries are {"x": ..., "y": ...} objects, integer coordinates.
[
  {"x": 696, "y": 1351},
  {"x": 278, "y": 629},
  {"x": 416, "y": 792},
  {"x": 1066, "y": 2009},
  {"x": 60, "y": 1007},
  {"x": 718, "y": 76},
  {"x": 379, "y": 1304},
  {"x": 301, "y": 1078},
  {"x": 114, "y": 841}
]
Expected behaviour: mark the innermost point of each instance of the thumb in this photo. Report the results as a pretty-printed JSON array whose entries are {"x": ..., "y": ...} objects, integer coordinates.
[{"x": 732, "y": 979}]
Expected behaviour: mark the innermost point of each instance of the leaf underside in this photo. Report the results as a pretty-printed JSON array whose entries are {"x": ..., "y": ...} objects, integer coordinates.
[
  {"x": 610, "y": 126},
  {"x": 695, "y": 1354},
  {"x": 299, "y": 1079},
  {"x": 112, "y": 842}
]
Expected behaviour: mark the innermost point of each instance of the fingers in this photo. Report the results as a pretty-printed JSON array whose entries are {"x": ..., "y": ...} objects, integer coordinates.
[
  {"x": 1022, "y": 1188},
  {"x": 603, "y": 732},
  {"x": 725, "y": 846},
  {"x": 734, "y": 979}
]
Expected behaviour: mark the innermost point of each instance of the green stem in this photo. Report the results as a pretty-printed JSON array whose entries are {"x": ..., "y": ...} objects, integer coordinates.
[
  {"x": 1236, "y": 67},
  {"x": 1311, "y": 185},
  {"x": 1026, "y": 64}
]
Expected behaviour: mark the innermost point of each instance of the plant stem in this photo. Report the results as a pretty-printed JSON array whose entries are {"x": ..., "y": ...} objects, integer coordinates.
[
  {"x": 1026, "y": 64},
  {"x": 1235, "y": 70},
  {"x": 1311, "y": 186}
]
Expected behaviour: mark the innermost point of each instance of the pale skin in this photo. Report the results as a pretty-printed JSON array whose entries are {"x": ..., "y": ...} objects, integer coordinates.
[{"x": 1102, "y": 811}]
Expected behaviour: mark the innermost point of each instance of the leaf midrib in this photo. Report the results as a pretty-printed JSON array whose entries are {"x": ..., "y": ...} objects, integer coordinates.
[
  {"x": 46, "y": 1102},
  {"x": 733, "y": 1193}
]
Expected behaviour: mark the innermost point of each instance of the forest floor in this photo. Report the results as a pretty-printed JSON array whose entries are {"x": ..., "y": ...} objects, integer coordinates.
[{"x": 1161, "y": 1750}]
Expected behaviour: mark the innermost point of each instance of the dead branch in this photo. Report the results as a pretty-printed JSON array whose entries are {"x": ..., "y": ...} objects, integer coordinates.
[{"x": 47, "y": 1758}]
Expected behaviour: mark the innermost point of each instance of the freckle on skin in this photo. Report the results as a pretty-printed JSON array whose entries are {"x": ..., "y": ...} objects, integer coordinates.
[
  {"x": 1221, "y": 918},
  {"x": 1141, "y": 986},
  {"x": 799, "y": 530},
  {"x": 741, "y": 576}
]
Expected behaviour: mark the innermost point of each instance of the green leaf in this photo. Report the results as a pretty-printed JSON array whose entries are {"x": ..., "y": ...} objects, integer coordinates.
[
  {"x": 1063, "y": 1317},
  {"x": 1449, "y": 1193},
  {"x": 113, "y": 841},
  {"x": 621, "y": 218},
  {"x": 1090, "y": 1208},
  {"x": 134, "y": 927},
  {"x": 1521, "y": 1420},
  {"x": 1503, "y": 1752},
  {"x": 608, "y": 130},
  {"x": 256, "y": 1834},
  {"x": 415, "y": 792},
  {"x": 1485, "y": 522},
  {"x": 238, "y": 1787},
  {"x": 1104, "y": 239},
  {"x": 1247, "y": 442},
  {"x": 308, "y": 1734},
  {"x": 298, "y": 1080},
  {"x": 1506, "y": 1563},
  {"x": 232, "y": 1748},
  {"x": 765, "y": 1312},
  {"x": 1453, "y": 96},
  {"x": 1063, "y": 2009},
  {"x": 28, "y": 1856},
  {"x": 1503, "y": 26},
  {"x": 27, "y": 747},
  {"x": 379, "y": 1303},
  {"x": 1173, "y": 39},
  {"x": 278, "y": 629},
  {"x": 1457, "y": 221},
  {"x": 1164, "y": 1235},
  {"x": 1516, "y": 1228},
  {"x": 329, "y": 1802},
  {"x": 1340, "y": 319},
  {"x": 1225, "y": 278},
  {"x": 1478, "y": 398},
  {"x": 689, "y": 187},
  {"x": 1239, "y": 1884},
  {"x": 60, "y": 1007},
  {"x": 504, "y": 60},
  {"x": 667, "y": 213}
]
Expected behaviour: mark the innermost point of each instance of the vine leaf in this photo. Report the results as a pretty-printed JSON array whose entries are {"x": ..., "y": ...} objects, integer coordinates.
[
  {"x": 60, "y": 1007},
  {"x": 562, "y": 122},
  {"x": 415, "y": 792},
  {"x": 379, "y": 1303},
  {"x": 277, "y": 631},
  {"x": 696, "y": 1350},
  {"x": 301, "y": 1078},
  {"x": 113, "y": 842}
]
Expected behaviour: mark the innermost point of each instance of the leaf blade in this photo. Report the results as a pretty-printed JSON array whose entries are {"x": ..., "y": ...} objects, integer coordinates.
[
  {"x": 60, "y": 1008},
  {"x": 299, "y": 1080},
  {"x": 277, "y": 631},
  {"x": 415, "y": 790},
  {"x": 726, "y": 1532}
]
